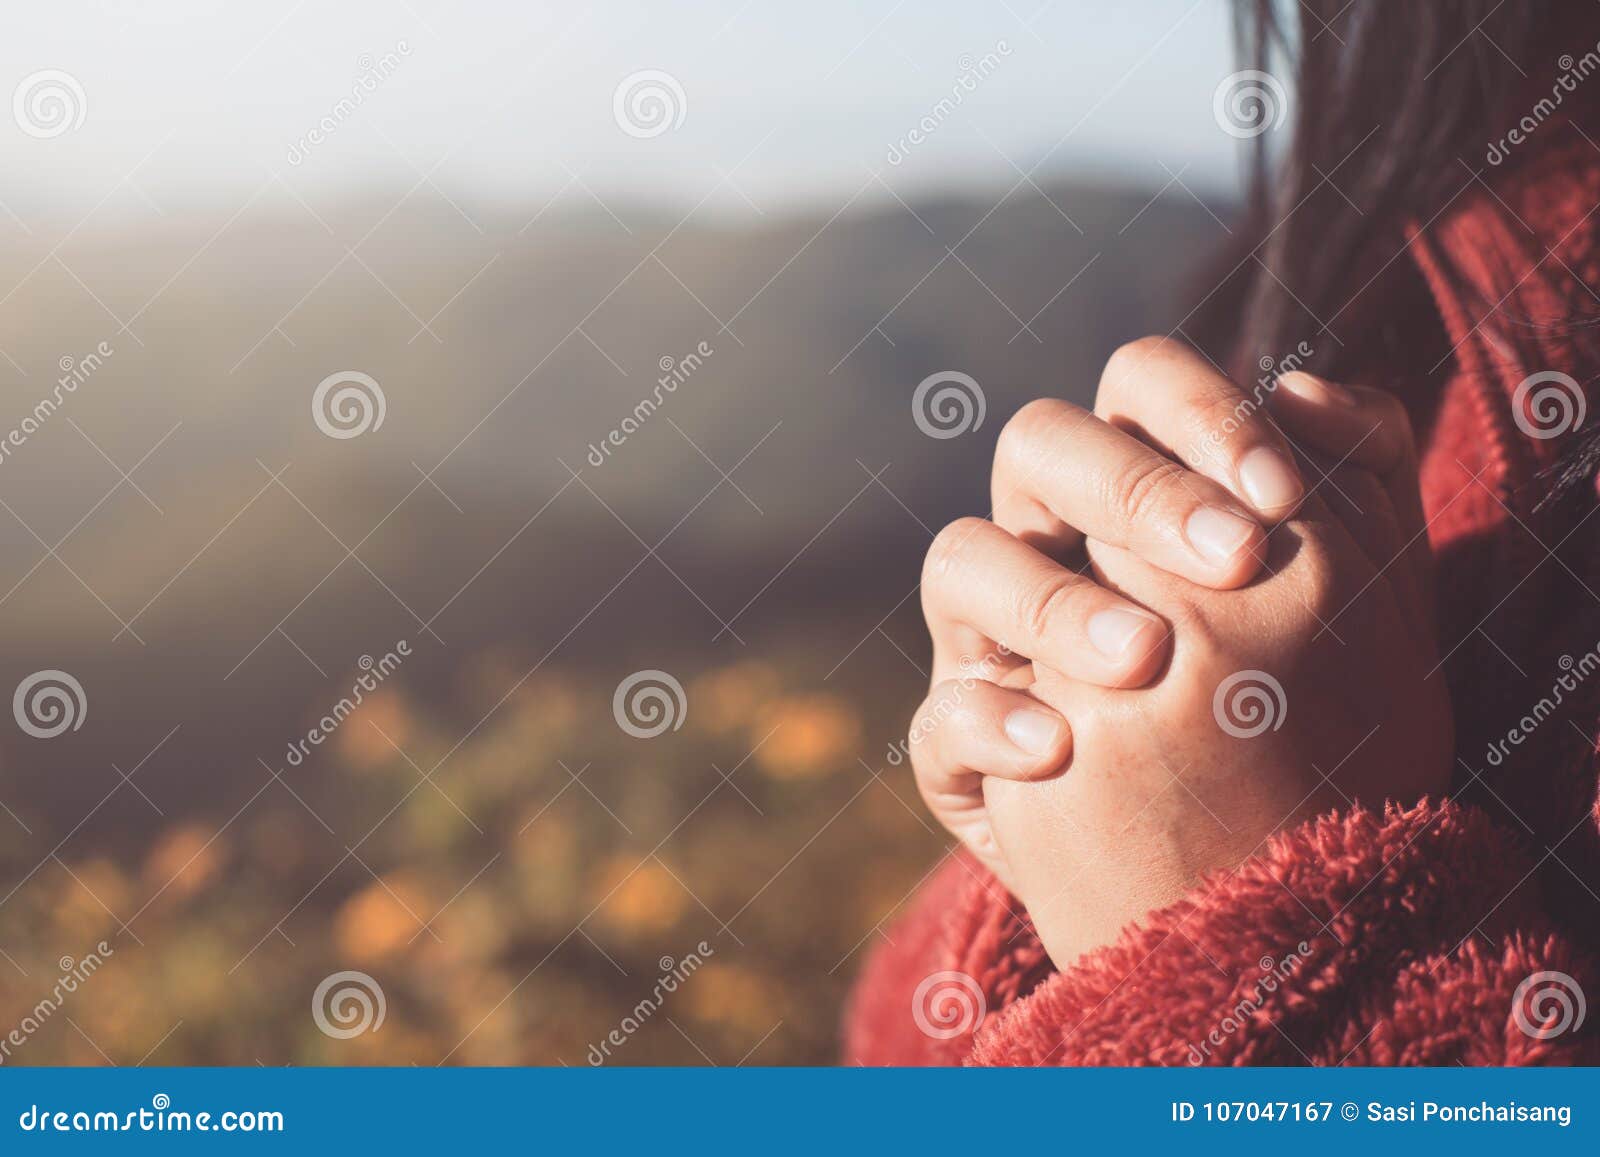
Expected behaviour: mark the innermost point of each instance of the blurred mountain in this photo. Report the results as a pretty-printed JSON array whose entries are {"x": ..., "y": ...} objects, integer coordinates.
[{"x": 505, "y": 348}]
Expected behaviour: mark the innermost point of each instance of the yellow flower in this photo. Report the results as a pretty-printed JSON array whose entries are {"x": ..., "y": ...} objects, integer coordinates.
[
  {"x": 638, "y": 898},
  {"x": 367, "y": 738},
  {"x": 810, "y": 735},
  {"x": 85, "y": 892},
  {"x": 727, "y": 698},
  {"x": 184, "y": 860},
  {"x": 380, "y": 920},
  {"x": 731, "y": 995}
]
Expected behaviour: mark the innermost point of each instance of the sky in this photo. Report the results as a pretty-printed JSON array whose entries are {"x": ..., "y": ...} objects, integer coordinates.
[{"x": 770, "y": 105}]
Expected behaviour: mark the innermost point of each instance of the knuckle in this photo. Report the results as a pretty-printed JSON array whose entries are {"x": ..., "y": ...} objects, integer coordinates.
[
  {"x": 1190, "y": 615},
  {"x": 944, "y": 713},
  {"x": 922, "y": 736},
  {"x": 949, "y": 549},
  {"x": 1313, "y": 589},
  {"x": 1129, "y": 360},
  {"x": 1027, "y": 427},
  {"x": 1200, "y": 632},
  {"x": 1394, "y": 419},
  {"x": 1219, "y": 414},
  {"x": 936, "y": 709},
  {"x": 1321, "y": 588},
  {"x": 1045, "y": 602},
  {"x": 1140, "y": 489}
]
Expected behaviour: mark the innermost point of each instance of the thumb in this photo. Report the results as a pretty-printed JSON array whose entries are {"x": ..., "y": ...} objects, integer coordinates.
[
  {"x": 1361, "y": 439},
  {"x": 1354, "y": 426}
]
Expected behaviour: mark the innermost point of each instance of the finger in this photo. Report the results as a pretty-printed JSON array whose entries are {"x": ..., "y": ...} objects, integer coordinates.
[
  {"x": 1182, "y": 404},
  {"x": 967, "y": 731},
  {"x": 961, "y": 650},
  {"x": 1360, "y": 503},
  {"x": 980, "y": 578},
  {"x": 1355, "y": 426},
  {"x": 1108, "y": 485},
  {"x": 1365, "y": 509},
  {"x": 968, "y": 728}
]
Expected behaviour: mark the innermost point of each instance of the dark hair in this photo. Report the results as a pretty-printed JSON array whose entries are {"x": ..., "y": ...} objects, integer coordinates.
[{"x": 1395, "y": 104}]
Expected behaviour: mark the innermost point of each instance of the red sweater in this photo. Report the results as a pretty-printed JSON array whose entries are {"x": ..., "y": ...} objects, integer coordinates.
[{"x": 1360, "y": 938}]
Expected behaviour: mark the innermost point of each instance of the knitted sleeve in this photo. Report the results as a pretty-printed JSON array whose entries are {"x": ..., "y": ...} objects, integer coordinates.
[
  {"x": 1408, "y": 938},
  {"x": 964, "y": 948}
]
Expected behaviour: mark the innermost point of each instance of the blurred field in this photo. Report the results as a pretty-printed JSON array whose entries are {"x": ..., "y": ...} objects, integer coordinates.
[{"x": 481, "y": 837}]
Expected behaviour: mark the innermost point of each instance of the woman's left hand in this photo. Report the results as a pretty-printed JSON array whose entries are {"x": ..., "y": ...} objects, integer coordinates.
[{"x": 1314, "y": 686}]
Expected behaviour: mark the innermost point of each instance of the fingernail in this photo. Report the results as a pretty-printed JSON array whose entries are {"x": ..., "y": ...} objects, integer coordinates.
[
  {"x": 1269, "y": 480},
  {"x": 1216, "y": 534},
  {"x": 1315, "y": 389},
  {"x": 1036, "y": 732},
  {"x": 1113, "y": 631}
]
